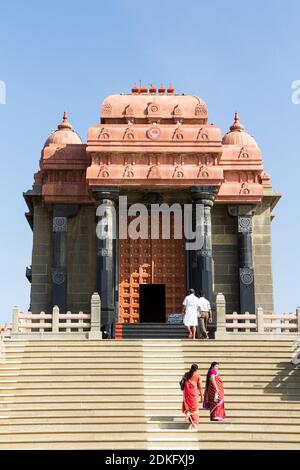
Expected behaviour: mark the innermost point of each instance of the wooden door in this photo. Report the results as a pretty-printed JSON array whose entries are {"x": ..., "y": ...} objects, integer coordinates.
[{"x": 150, "y": 262}]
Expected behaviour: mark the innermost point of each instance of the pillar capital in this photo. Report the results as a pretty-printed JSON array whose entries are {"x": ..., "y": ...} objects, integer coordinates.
[
  {"x": 204, "y": 194},
  {"x": 102, "y": 193},
  {"x": 240, "y": 210},
  {"x": 64, "y": 210}
]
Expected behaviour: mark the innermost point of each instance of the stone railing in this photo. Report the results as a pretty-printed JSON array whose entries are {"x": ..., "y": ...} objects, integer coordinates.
[
  {"x": 58, "y": 325},
  {"x": 258, "y": 322},
  {"x": 5, "y": 331}
]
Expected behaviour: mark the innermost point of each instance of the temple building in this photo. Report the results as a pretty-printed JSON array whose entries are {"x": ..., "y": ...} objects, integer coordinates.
[{"x": 154, "y": 147}]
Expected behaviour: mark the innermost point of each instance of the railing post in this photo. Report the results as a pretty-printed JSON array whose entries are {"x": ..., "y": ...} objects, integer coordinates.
[
  {"x": 55, "y": 319},
  {"x": 221, "y": 312},
  {"x": 260, "y": 320},
  {"x": 298, "y": 318},
  {"x": 15, "y": 321},
  {"x": 95, "y": 332}
]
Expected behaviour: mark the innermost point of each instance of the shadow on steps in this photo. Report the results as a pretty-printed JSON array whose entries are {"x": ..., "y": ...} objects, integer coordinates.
[{"x": 286, "y": 382}]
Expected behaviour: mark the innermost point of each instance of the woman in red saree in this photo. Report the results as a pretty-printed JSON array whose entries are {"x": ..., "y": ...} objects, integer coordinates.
[
  {"x": 214, "y": 394},
  {"x": 192, "y": 395}
]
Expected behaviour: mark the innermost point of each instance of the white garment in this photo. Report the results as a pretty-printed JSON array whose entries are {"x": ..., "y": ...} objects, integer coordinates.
[
  {"x": 204, "y": 304},
  {"x": 191, "y": 303}
]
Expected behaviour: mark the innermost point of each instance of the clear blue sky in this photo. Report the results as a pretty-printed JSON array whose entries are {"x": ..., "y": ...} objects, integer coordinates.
[{"x": 237, "y": 55}]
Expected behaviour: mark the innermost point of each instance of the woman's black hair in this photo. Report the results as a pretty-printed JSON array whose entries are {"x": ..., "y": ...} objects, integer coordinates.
[
  {"x": 213, "y": 364},
  {"x": 193, "y": 369}
]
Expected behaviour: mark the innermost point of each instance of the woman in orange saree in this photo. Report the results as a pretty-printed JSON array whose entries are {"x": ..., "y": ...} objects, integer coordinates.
[
  {"x": 192, "y": 395},
  {"x": 214, "y": 394}
]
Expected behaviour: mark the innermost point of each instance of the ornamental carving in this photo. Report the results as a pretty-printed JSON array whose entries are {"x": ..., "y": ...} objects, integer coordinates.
[
  {"x": 106, "y": 109},
  {"x": 200, "y": 110},
  {"x": 245, "y": 189},
  {"x": 58, "y": 276},
  {"x": 128, "y": 173},
  {"x": 129, "y": 133},
  {"x": 103, "y": 172},
  {"x": 153, "y": 133},
  {"x": 178, "y": 134},
  {"x": 246, "y": 276},
  {"x": 60, "y": 224},
  {"x": 104, "y": 252},
  {"x": 178, "y": 172},
  {"x": 203, "y": 172},
  {"x": 202, "y": 134},
  {"x": 244, "y": 153},
  {"x": 104, "y": 134},
  {"x": 128, "y": 111},
  {"x": 177, "y": 111},
  {"x": 206, "y": 253},
  {"x": 153, "y": 172},
  {"x": 245, "y": 224},
  {"x": 153, "y": 108}
]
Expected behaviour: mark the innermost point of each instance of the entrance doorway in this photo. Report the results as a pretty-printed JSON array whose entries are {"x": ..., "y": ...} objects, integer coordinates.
[{"x": 152, "y": 303}]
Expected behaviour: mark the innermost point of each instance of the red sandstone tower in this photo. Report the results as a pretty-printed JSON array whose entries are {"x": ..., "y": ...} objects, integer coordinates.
[{"x": 153, "y": 147}]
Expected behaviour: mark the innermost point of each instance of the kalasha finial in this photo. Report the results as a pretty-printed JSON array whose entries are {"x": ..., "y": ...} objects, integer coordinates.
[
  {"x": 65, "y": 123},
  {"x": 170, "y": 90},
  {"x": 135, "y": 89},
  {"x": 161, "y": 89},
  {"x": 236, "y": 126},
  {"x": 152, "y": 89},
  {"x": 144, "y": 89}
]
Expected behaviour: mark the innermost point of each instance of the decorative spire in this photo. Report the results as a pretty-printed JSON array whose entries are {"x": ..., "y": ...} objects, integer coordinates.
[
  {"x": 236, "y": 126},
  {"x": 161, "y": 89},
  {"x": 152, "y": 89},
  {"x": 170, "y": 90},
  {"x": 65, "y": 123}
]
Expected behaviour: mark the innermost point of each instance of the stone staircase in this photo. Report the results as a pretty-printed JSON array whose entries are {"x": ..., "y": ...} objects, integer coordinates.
[
  {"x": 150, "y": 331},
  {"x": 125, "y": 394}
]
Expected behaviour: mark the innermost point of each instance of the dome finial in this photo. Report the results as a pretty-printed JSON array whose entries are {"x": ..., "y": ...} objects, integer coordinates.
[
  {"x": 65, "y": 123},
  {"x": 64, "y": 134},
  {"x": 236, "y": 126}
]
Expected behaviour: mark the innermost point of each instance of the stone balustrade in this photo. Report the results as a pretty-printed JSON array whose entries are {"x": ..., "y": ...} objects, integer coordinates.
[
  {"x": 58, "y": 325},
  {"x": 251, "y": 323}
]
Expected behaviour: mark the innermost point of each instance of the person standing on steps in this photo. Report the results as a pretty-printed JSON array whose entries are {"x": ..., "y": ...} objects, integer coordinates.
[
  {"x": 190, "y": 306},
  {"x": 214, "y": 394},
  {"x": 205, "y": 316},
  {"x": 192, "y": 395}
]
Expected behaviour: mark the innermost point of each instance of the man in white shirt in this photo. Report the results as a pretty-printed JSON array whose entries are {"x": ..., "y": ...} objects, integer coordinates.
[
  {"x": 205, "y": 315},
  {"x": 190, "y": 307}
]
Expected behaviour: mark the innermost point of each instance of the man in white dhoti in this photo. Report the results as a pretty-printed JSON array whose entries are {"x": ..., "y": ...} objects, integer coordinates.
[{"x": 190, "y": 312}]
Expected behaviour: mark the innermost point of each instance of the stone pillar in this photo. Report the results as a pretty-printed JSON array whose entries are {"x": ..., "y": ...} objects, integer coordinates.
[
  {"x": 106, "y": 263},
  {"x": 55, "y": 319},
  {"x": 201, "y": 259},
  {"x": 221, "y": 316},
  {"x": 15, "y": 321},
  {"x": 95, "y": 332},
  {"x": 260, "y": 320},
  {"x": 61, "y": 213},
  {"x": 246, "y": 271},
  {"x": 59, "y": 263}
]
